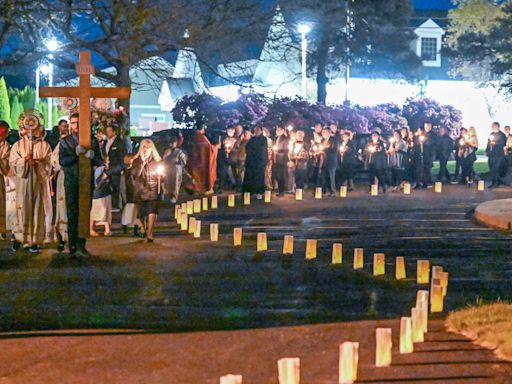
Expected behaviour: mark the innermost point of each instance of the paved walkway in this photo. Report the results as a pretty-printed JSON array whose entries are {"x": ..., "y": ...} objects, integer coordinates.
[
  {"x": 496, "y": 214},
  {"x": 202, "y": 357}
]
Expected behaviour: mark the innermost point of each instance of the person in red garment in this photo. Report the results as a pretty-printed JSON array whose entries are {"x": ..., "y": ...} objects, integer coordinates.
[{"x": 202, "y": 164}]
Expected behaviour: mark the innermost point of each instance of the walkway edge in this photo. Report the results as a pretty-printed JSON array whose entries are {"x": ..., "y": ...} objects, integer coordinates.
[{"x": 495, "y": 213}]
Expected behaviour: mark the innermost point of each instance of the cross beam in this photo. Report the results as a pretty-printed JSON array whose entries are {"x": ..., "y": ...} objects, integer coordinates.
[{"x": 84, "y": 92}]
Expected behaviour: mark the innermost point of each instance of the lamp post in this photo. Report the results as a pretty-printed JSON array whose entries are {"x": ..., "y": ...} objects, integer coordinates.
[
  {"x": 52, "y": 46},
  {"x": 304, "y": 30}
]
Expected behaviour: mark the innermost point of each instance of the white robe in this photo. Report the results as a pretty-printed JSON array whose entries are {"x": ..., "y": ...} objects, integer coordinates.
[
  {"x": 7, "y": 188},
  {"x": 32, "y": 189},
  {"x": 61, "y": 214}
]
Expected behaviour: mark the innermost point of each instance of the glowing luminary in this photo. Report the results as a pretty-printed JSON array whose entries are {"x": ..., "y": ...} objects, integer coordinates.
[
  {"x": 436, "y": 297},
  {"x": 337, "y": 253},
  {"x": 184, "y": 221},
  {"x": 422, "y": 307},
  {"x": 231, "y": 201},
  {"x": 406, "y": 345},
  {"x": 400, "y": 268},
  {"x": 191, "y": 225},
  {"x": 205, "y": 204},
  {"x": 436, "y": 269},
  {"x": 375, "y": 190},
  {"x": 197, "y": 206},
  {"x": 379, "y": 264},
  {"x": 438, "y": 187},
  {"x": 215, "y": 202},
  {"x": 288, "y": 370},
  {"x": 343, "y": 191},
  {"x": 423, "y": 272},
  {"x": 358, "y": 258},
  {"x": 190, "y": 207},
  {"x": 288, "y": 245},
  {"x": 247, "y": 198},
  {"x": 421, "y": 295},
  {"x": 231, "y": 379},
  {"x": 298, "y": 194},
  {"x": 349, "y": 360},
  {"x": 237, "y": 237},
  {"x": 178, "y": 216},
  {"x": 311, "y": 249},
  {"x": 177, "y": 209},
  {"x": 407, "y": 189},
  {"x": 417, "y": 328},
  {"x": 214, "y": 232},
  {"x": 481, "y": 185},
  {"x": 318, "y": 193},
  {"x": 197, "y": 232},
  {"x": 268, "y": 196},
  {"x": 443, "y": 276},
  {"x": 383, "y": 347},
  {"x": 261, "y": 242}
]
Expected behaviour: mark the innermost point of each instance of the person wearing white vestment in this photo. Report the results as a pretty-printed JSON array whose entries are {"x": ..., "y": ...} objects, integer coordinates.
[
  {"x": 30, "y": 162},
  {"x": 61, "y": 215},
  {"x": 7, "y": 205}
]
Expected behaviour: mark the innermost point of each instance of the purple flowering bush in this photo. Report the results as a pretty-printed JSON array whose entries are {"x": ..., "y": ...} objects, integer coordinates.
[{"x": 253, "y": 109}]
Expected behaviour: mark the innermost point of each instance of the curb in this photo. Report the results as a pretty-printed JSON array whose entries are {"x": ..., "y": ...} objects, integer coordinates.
[{"x": 496, "y": 214}]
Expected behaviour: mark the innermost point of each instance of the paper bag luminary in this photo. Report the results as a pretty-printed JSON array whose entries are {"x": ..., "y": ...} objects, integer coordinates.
[
  {"x": 349, "y": 360},
  {"x": 383, "y": 347},
  {"x": 358, "y": 258},
  {"x": 231, "y": 201},
  {"x": 247, "y": 198},
  {"x": 205, "y": 204},
  {"x": 298, "y": 194},
  {"x": 237, "y": 237},
  {"x": 197, "y": 206},
  {"x": 423, "y": 272},
  {"x": 311, "y": 249},
  {"x": 288, "y": 370},
  {"x": 343, "y": 191},
  {"x": 379, "y": 264},
  {"x": 337, "y": 253},
  {"x": 288, "y": 245},
  {"x": 406, "y": 344},
  {"x": 215, "y": 202},
  {"x": 214, "y": 232},
  {"x": 400, "y": 268},
  {"x": 261, "y": 242}
]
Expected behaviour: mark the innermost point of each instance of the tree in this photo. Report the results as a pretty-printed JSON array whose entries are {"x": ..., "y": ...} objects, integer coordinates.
[
  {"x": 5, "y": 108},
  {"x": 419, "y": 111},
  {"x": 16, "y": 110},
  {"x": 370, "y": 35}
]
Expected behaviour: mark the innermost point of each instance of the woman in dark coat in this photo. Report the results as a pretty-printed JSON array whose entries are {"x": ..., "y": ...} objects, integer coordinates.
[
  {"x": 256, "y": 163},
  {"x": 376, "y": 160},
  {"x": 146, "y": 174}
]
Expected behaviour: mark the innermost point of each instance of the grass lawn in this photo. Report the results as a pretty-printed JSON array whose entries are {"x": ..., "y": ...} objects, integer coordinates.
[
  {"x": 481, "y": 167},
  {"x": 489, "y": 325}
]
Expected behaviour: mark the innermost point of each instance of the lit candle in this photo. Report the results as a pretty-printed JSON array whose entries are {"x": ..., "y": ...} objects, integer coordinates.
[
  {"x": 231, "y": 379},
  {"x": 261, "y": 242},
  {"x": 311, "y": 249},
  {"x": 288, "y": 245},
  {"x": 406, "y": 345},
  {"x": 268, "y": 196},
  {"x": 318, "y": 193},
  {"x": 215, "y": 202},
  {"x": 247, "y": 198},
  {"x": 289, "y": 370},
  {"x": 438, "y": 187},
  {"x": 197, "y": 206},
  {"x": 349, "y": 359},
  {"x": 343, "y": 191},
  {"x": 237, "y": 237},
  {"x": 423, "y": 272},
  {"x": 358, "y": 258},
  {"x": 407, "y": 189},
  {"x": 379, "y": 265},
  {"x": 231, "y": 201},
  {"x": 298, "y": 194},
  {"x": 337, "y": 253},
  {"x": 383, "y": 347},
  {"x": 197, "y": 231},
  {"x": 214, "y": 232},
  {"x": 400, "y": 268}
]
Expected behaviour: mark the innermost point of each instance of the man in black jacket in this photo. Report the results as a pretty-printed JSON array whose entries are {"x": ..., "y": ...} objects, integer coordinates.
[
  {"x": 280, "y": 167},
  {"x": 68, "y": 158},
  {"x": 444, "y": 151},
  {"x": 496, "y": 153},
  {"x": 114, "y": 153}
]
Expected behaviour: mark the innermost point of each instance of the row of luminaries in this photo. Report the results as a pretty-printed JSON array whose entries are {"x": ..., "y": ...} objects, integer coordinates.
[{"x": 412, "y": 329}]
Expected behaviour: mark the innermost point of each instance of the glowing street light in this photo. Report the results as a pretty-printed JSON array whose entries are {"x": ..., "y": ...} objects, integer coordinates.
[
  {"x": 304, "y": 29},
  {"x": 52, "y": 45}
]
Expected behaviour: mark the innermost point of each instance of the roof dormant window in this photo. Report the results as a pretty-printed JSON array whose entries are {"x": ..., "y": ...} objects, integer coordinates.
[{"x": 428, "y": 43}]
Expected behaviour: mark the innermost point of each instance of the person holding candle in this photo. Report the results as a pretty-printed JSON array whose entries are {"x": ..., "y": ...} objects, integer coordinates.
[
  {"x": 467, "y": 155},
  {"x": 290, "y": 164},
  {"x": 348, "y": 160},
  {"x": 299, "y": 156},
  {"x": 422, "y": 159},
  {"x": 496, "y": 153},
  {"x": 410, "y": 165},
  {"x": 114, "y": 151},
  {"x": 457, "y": 146},
  {"x": 444, "y": 152},
  {"x": 228, "y": 161},
  {"x": 317, "y": 155},
  {"x": 242, "y": 155},
  {"x": 280, "y": 150},
  {"x": 256, "y": 163},
  {"x": 146, "y": 177},
  {"x": 175, "y": 160},
  {"x": 331, "y": 159},
  {"x": 376, "y": 161},
  {"x": 269, "y": 179},
  {"x": 397, "y": 153}
]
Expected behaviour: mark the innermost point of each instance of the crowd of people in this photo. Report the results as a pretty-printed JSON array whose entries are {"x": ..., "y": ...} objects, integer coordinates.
[{"x": 40, "y": 192}]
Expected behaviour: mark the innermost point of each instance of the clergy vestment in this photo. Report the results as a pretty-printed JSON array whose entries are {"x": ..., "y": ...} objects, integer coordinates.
[
  {"x": 61, "y": 215},
  {"x": 202, "y": 163},
  {"x": 7, "y": 191},
  {"x": 32, "y": 189}
]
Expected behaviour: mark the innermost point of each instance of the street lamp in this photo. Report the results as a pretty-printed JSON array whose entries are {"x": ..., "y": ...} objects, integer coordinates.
[
  {"x": 304, "y": 29},
  {"x": 52, "y": 46}
]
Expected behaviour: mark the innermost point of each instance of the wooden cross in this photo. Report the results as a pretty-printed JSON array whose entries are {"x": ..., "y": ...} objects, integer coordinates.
[{"x": 84, "y": 92}]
